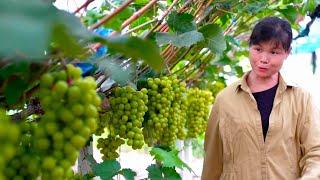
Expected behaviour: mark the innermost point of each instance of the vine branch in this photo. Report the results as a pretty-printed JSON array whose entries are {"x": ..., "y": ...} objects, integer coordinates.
[
  {"x": 109, "y": 16},
  {"x": 138, "y": 13},
  {"x": 33, "y": 107},
  {"x": 84, "y": 5}
]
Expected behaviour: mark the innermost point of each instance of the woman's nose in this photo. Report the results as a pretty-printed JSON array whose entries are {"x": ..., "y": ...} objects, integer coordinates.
[{"x": 264, "y": 59}]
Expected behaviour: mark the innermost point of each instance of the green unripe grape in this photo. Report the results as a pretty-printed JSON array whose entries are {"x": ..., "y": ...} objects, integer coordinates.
[
  {"x": 60, "y": 88},
  {"x": 91, "y": 111},
  {"x": 62, "y": 75},
  {"x": 68, "y": 149},
  {"x": 58, "y": 172},
  {"x": 8, "y": 151},
  {"x": 74, "y": 93},
  {"x": 77, "y": 109},
  {"x": 46, "y": 80},
  {"x": 51, "y": 127},
  {"x": 42, "y": 144},
  {"x": 78, "y": 141},
  {"x": 85, "y": 132},
  {"x": 67, "y": 132},
  {"x": 48, "y": 163},
  {"x": 77, "y": 124},
  {"x": 65, "y": 115},
  {"x": 73, "y": 72},
  {"x": 58, "y": 137},
  {"x": 92, "y": 124}
]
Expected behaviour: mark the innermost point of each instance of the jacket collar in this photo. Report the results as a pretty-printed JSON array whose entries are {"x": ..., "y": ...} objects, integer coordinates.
[{"x": 243, "y": 85}]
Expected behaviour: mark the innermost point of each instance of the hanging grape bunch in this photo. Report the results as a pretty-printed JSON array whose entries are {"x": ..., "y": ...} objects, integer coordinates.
[
  {"x": 19, "y": 166},
  {"x": 160, "y": 98},
  {"x": 108, "y": 147},
  {"x": 9, "y": 134},
  {"x": 71, "y": 105},
  {"x": 128, "y": 108},
  {"x": 177, "y": 114},
  {"x": 198, "y": 111},
  {"x": 103, "y": 122}
]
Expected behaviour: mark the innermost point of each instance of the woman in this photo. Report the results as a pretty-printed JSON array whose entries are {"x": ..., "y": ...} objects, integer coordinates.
[{"x": 262, "y": 127}]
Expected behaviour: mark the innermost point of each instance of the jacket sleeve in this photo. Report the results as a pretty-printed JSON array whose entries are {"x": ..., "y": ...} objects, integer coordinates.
[
  {"x": 310, "y": 141},
  {"x": 212, "y": 166}
]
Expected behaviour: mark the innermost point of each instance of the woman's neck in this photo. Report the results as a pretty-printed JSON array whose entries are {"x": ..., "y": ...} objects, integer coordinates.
[{"x": 257, "y": 84}]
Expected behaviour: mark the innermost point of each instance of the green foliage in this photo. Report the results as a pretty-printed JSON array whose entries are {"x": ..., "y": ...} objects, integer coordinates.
[
  {"x": 197, "y": 146},
  {"x": 14, "y": 90},
  {"x": 116, "y": 22},
  {"x": 23, "y": 22},
  {"x": 112, "y": 68},
  {"x": 136, "y": 48},
  {"x": 128, "y": 174},
  {"x": 290, "y": 13},
  {"x": 141, "y": 2},
  {"x": 179, "y": 40},
  {"x": 156, "y": 172},
  {"x": 64, "y": 42},
  {"x": 181, "y": 22},
  {"x": 254, "y": 7},
  {"x": 15, "y": 79},
  {"x": 109, "y": 168},
  {"x": 214, "y": 38},
  {"x": 310, "y": 5},
  {"x": 92, "y": 16},
  {"x": 170, "y": 173},
  {"x": 168, "y": 158}
]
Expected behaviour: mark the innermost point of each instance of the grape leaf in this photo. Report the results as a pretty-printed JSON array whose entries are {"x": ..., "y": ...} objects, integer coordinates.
[
  {"x": 135, "y": 48},
  {"x": 116, "y": 22},
  {"x": 111, "y": 68},
  {"x": 179, "y": 40},
  {"x": 107, "y": 169},
  {"x": 154, "y": 172},
  {"x": 128, "y": 174},
  {"x": 181, "y": 22},
  {"x": 214, "y": 38},
  {"x": 23, "y": 22},
  {"x": 170, "y": 173},
  {"x": 68, "y": 44},
  {"x": 290, "y": 13},
  {"x": 168, "y": 159},
  {"x": 14, "y": 69},
  {"x": 14, "y": 90}
]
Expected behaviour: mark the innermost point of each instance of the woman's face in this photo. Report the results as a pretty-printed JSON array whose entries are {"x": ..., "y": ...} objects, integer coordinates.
[{"x": 266, "y": 58}]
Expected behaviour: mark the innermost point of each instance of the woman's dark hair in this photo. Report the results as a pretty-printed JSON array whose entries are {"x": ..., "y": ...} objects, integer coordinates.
[{"x": 272, "y": 28}]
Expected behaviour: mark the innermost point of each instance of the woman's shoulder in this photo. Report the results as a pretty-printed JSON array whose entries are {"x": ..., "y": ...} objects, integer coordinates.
[{"x": 229, "y": 92}]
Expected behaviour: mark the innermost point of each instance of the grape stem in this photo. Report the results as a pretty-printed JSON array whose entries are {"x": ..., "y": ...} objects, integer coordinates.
[{"x": 33, "y": 107}]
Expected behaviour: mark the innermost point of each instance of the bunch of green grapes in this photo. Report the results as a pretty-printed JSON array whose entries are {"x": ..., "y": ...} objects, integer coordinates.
[
  {"x": 161, "y": 95},
  {"x": 9, "y": 136},
  {"x": 108, "y": 147},
  {"x": 199, "y": 102},
  {"x": 128, "y": 108},
  {"x": 71, "y": 105},
  {"x": 177, "y": 114},
  {"x": 19, "y": 166},
  {"x": 103, "y": 123}
]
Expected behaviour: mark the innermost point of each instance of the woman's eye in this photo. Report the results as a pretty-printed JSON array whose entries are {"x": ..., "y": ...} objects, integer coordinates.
[
  {"x": 258, "y": 49},
  {"x": 275, "y": 52}
]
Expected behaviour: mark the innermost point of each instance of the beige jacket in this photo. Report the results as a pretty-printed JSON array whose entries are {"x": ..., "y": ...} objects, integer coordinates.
[{"x": 234, "y": 145}]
